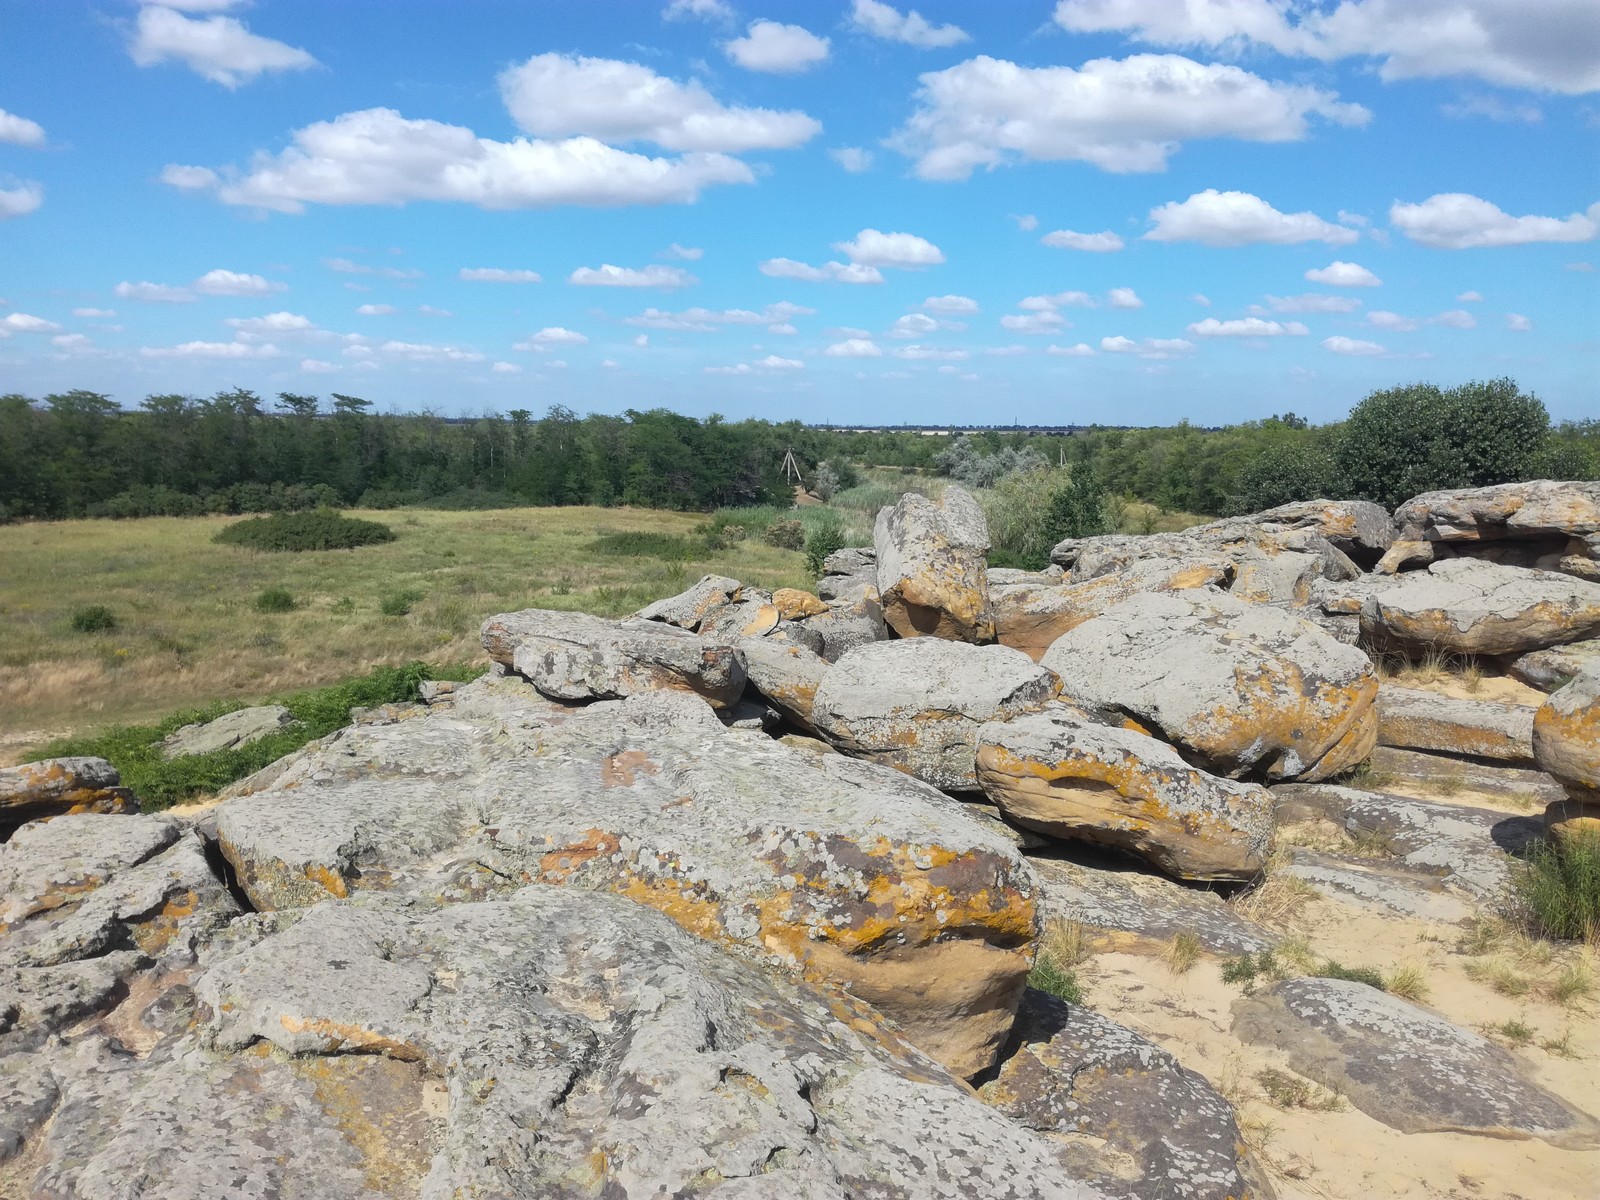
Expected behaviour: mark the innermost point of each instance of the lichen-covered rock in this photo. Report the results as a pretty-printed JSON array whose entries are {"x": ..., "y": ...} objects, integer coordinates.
[
  {"x": 1566, "y": 743},
  {"x": 574, "y": 656},
  {"x": 752, "y": 614},
  {"x": 1240, "y": 689},
  {"x": 1139, "y": 1123},
  {"x": 1549, "y": 669},
  {"x": 1421, "y": 720},
  {"x": 551, "y": 1045},
  {"x": 54, "y": 786},
  {"x": 688, "y": 608},
  {"x": 1061, "y": 773},
  {"x": 849, "y": 586},
  {"x": 227, "y": 732},
  {"x": 931, "y": 567},
  {"x": 1464, "y": 606},
  {"x": 786, "y": 675},
  {"x": 1405, "y": 1066},
  {"x": 838, "y": 869},
  {"x": 1556, "y": 525},
  {"x": 1359, "y": 528},
  {"x": 1029, "y": 616},
  {"x": 917, "y": 704},
  {"x": 795, "y": 605}
]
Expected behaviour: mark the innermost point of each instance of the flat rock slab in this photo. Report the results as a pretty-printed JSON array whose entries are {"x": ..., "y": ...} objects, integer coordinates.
[
  {"x": 786, "y": 675},
  {"x": 1465, "y": 606},
  {"x": 54, "y": 786},
  {"x": 839, "y": 869},
  {"x": 1377, "y": 886},
  {"x": 227, "y": 732},
  {"x": 1133, "y": 909},
  {"x": 1406, "y": 1066},
  {"x": 917, "y": 704},
  {"x": 1549, "y": 669},
  {"x": 1415, "y": 719},
  {"x": 1422, "y": 770},
  {"x": 689, "y": 608},
  {"x": 1133, "y": 1119},
  {"x": 1470, "y": 848},
  {"x": 1239, "y": 689},
  {"x": 1535, "y": 511},
  {"x": 551, "y": 1045},
  {"x": 1060, "y": 772}
]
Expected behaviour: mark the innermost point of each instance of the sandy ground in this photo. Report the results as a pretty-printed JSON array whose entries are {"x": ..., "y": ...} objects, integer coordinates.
[
  {"x": 1501, "y": 688},
  {"x": 1345, "y": 1154}
]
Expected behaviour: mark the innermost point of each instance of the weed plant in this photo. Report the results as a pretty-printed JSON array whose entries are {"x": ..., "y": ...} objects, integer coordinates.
[
  {"x": 275, "y": 600},
  {"x": 94, "y": 618},
  {"x": 1556, "y": 889}
]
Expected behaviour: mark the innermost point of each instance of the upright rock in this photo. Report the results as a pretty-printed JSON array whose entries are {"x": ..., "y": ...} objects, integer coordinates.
[
  {"x": 54, "y": 786},
  {"x": 1239, "y": 689},
  {"x": 1465, "y": 606},
  {"x": 1566, "y": 743},
  {"x": 931, "y": 567}
]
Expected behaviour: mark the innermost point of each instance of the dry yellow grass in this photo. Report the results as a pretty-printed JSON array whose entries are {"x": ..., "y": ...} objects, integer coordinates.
[{"x": 188, "y": 631}]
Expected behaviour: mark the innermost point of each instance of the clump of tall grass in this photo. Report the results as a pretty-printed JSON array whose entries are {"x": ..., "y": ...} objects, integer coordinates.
[{"x": 1556, "y": 889}]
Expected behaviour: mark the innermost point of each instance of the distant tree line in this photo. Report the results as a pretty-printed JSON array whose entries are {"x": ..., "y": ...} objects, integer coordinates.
[{"x": 79, "y": 454}]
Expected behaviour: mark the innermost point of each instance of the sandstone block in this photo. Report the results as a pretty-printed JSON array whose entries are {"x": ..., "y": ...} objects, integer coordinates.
[
  {"x": 931, "y": 567},
  {"x": 1463, "y": 606}
]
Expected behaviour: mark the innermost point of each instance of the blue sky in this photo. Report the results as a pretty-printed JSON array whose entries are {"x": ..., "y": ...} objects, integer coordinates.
[{"x": 1127, "y": 211}]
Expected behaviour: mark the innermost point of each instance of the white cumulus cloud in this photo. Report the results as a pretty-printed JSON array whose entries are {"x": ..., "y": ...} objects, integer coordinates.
[
  {"x": 906, "y": 251},
  {"x": 931, "y": 353},
  {"x": 1518, "y": 323},
  {"x": 1239, "y": 219},
  {"x": 653, "y": 276},
  {"x": 1351, "y": 346},
  {"x": 854, "y": 348},
  {"x": 1157, "y": 348},
  {"x": 20, "y": 201},
  {"x": 1313, "y": 302},
  {"x": 233, "y": 283},
  {"x": 376, "y": 310},
  {"x": 278, "y": 322},
  {"x": 27, "y": 323},
  {"x": 704, "y": 10},
  {"x": 505, "y": 368},
  {"x": 684, "y": 253},
  {"x": 220, "y": 49},
  {"x": 1124, "y": 297},
  {"x": 1468, "y": 298},
  {"x": 831, "y": 272},
  {"x": 1081, "y": 350},
  {"x": 852, "y": 158},
  {"x": 94, "y": 312},
  {"x": 1120, "y": 115},
  {"x": 773, "y": 362},
  {"x": 1247, "y": 327},
  {"x": 552, "y": 335},
  {"x": 1456, "y": 318},
  {"x": 950, "y": 304},
  {"x": 1094, "y": 243},
  {"x": 1380, "y": 319},
  {"x": 912, "y": 28},
  {"x": 1457, "y": 221},
  {"x": 498, "y": 275},
  {"x": 1045, "y": 321},
  {"x": 1343, "y": 274},
  {"x": 153, "y": 293},
  {"x": 706, "y": 320},
  {"x": 225, "y": 350},
  {"x": 777, "y": 48},
  {"x": 19, "y": 131}
]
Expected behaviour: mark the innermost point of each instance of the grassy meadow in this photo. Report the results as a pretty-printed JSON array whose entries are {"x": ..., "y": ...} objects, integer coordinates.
[{"x": 188, "y": 631}]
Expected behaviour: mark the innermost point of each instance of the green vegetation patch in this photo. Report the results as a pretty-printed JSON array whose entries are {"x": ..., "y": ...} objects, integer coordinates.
[
  {"x": 135, "y": 750},
  {"x": 1061, "y": 982},
  {"x": 1556, "y": 889},
  {"x": 323, "y": 529},
  {"x": 94, "y": 618},
  {"x": 275, "y": 600},
  {"x": 669, "y": 547}
]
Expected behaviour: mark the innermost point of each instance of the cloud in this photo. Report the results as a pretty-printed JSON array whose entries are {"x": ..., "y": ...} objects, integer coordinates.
[
  {"x": 220, "y": 49},
  {"x": 497, "y": 275},
  {"x": 26, "y": 323},
  {"x": 1059, "y": 300},
  {"x": 1343, "y": 274},
  {"x": 1201, "y": 299},
  {"x": 1313, "y": 302},
  {"x": 1011, "y": 351},
  {"x": 278, "y": 322},
  {"x": 1247, "y": 327},
  {"x": 429, "y": 352},
  {"x": 1468, "y": 298},
  {"x": 506, "y": 368},
  {"x": 1499, "y": 41},
  {"x": 1094, "y": 243},
  {"x": 345, "y": 267},
  {"x": 226, "y": 350},
  {"x": 1124, "y": 297},
  {"x": 653, "y": 276},
  {"x": 705, "y": 320},
  {"x": 1518, "y": 323},
  {"x": 1380, "y": 319},
  {"x": 189, "y": 179},
  {"x": 1457, "y": 221},
  {"x": 1580, "y": 266},
  {"x": 376, "y": 310},
  {"x": 905, "y": 251},
  {"x": 1494, "y": 108},
  {"x": 950, "y": 304},
  {"x": 429, "y": 310},
  {"x": 153, "y": 293},
  {"x": 377, "y": 156},
  {"x": 552, "y": 335},
  {"x": 854, "y": 348},
  {"x": 19, "y": 131},
  {"x": 931, "y": 353},
  {"x": 832, "y": 272},
  {"x": 557, "y": 95},
  {"x": 1239, "y": 219},
  {"x": 914, "y": 325},
  {"x": 773, "y": 362},
  {"x": 1147, "y": 348},
  {"x": 71, "y": 341},
  {"x": 852, "y": 158},
  {"x": 1046, "y": 321},
  {"x": 232, "y": 283},
  {"x": 1027, "y": 222},
  {"x": 1351, "y": 346},
  {"x": 1456, "y": 318},
  {"x": 912, "y": 28},
  {"x": 704, "y": 10},
  {"x": 777, "y": 48},
  {"x": 684, "y": 253},
  {"x": 1081, "y": 350},
  {"x": 1121, "y": 115},
  {"x": 94, "y": 312},
  {"x": 20, "y": 201}
]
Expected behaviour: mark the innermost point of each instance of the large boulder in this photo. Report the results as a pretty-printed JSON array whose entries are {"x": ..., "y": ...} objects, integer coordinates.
[
  {"x": 574, "y": 656},
  {"x": 1552, "y": 525},
  {"x": 1132, "y": 1119},
  {"x": 786, "y": 675},
  {"x": 931, "y": 567},
  {"x": 1464, "y": 606},
  {"x": 1029, "y": 615},
  {"x": 1358, "y": 528},
  {"x": 1404, "y": 1066},
  {"x": 227, "y": 732},
  {"x": 552, "y": 1045},
  {"x": 1061, "y": 773},
  {"x": 1239, "y": 689},
  {"x": 1549, "y": 669},
  {"x": 1415, "y": 719},
  {"x": 54, "y": 786},
  {"x": 1566, "y": 743},
  {"x": 917, "y": 704},
  {"x": 840, "y": 870},
  {"x": 849, "y": 586},
  {"x": 690, "y": 607}
]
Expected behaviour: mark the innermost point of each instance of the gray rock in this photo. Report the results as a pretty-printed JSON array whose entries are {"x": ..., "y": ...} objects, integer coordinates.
[
  {"x": 1515, "y": 785},
  {"x": 1359, "y": 528},
  {"x": 854, "y": 618},
  {"x": 1001, "y": 576},
  {"x": 838, "y": 869},
  {"x": 1464, "y": 606},
  {"x": 786, "y": 675},
  {"x": 689, "y": 608},
  {"x": 931, "y": 568},
  {"x": 1239, "y": 689},
  {"x": 1549, "y": 669},
  {"x": 227, "y": 732},
  {"x": 437, "y": 691},
  {"x": 751, "y": 614},
  {"x": 1467, "y": 847},
  {"x": 1377, "y": 886},
  {"x": 1134, "y": 1121},
  {"x": 573, "y": 656},
  {"x": 917, "y": 704},
  {"x": 54, "y": 786},
  {"x": 1566, "y": 731},
  {"x": 1405, "y": 1066},
  {"x": 1061, "y": 773},
  {"x": 1553, "y": 525},
  {"x": 1421, "y": 720}
]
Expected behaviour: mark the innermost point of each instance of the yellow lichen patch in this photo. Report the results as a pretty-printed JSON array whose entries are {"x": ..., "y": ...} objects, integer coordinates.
[
  {"x": 698, "y": 913},
  {"x": 328, "y": 880},
  {"x": 624, "y": 769},
  {"x": 338, "y": 1036},
  {"x": 381, "y": 1107},
  {"x": 558, "y": 865},
  {"x": 763, "y": 623},
  {"x": 793, "y": 604},
  {"x": 155, "y": 933}
]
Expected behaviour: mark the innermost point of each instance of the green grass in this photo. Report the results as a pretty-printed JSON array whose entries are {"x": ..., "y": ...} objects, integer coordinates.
[
  {"x": 669, "y": 547},
  {"x": 1556, "y": 889},
  {"x": 275, "y": 600},
  {"x": 1061, "y": 982},
  {"x": 1370, "y": 976},
  {"x": 93, "y": 618},
  {"x": 135, "y": 750},
  {"x": 297, "y": 532}
]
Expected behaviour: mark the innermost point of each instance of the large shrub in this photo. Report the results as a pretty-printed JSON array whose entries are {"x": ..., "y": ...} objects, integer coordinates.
[
  {"x": 323, "y": 529},
  {"x": 1303, "y": 470}
]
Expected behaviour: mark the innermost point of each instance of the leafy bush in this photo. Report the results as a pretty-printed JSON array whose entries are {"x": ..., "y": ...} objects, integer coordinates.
[
  {"x": 398, "y": 604},
  {"x": 1078, "y": 509},
  {"x": 1021, "y": 521},
  {"x": 670, "y": 547},
  {"x": 136, "y": 750},
  {"x": 1286, "y": 473},
  {"x": 323, "y": 529},
  {"x": 785, "y": 535},
  {"x": 275, "y": 600},
  {"x": 964, "y": 462},
  {"x": 822, "y": 541},
  {"x": 1556, "y": 889},
  {"x": 96, "y": 618}
]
